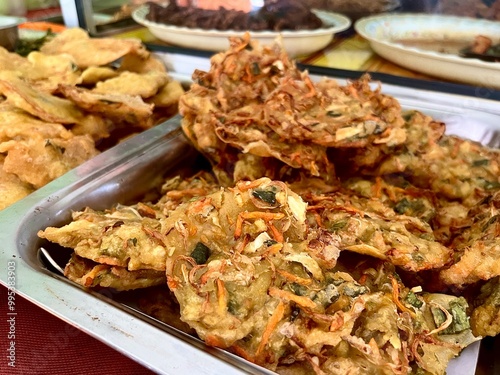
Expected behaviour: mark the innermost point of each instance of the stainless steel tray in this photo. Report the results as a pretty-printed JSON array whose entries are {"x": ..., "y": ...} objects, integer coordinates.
[
  {"x": 121, "y": 174},
  {"x": 124, "y": 173}
]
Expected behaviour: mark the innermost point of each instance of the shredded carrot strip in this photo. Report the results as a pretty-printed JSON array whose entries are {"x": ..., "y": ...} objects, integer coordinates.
[
  {"x": 395, "y": 297},
  {"x": 310, "y": 85},
  {"x": 321, "y": 198},
  {"x": 206, "y": 303},
  {"x": 178, "y": 194},
  {"x": 93, "y": 273},
  {"x": 353, "y": 92},
  {"x": 221, "y": 296},
  {"x": 288, "y": 296},
  {"x": 248, "y": 77},
  {"x": 456, "y": 150},
  {"x": 296, "y": 157},
  {"x": 247, "y": 185},
  {"x": 212, "y": 340},
  {"x": 338, "y": 321},
  {"x": 294, "y": 278},
  {"x": 242, "y": 352},
  {"x": 145, "y": 210},
  {"x": 204, "y": 278},
  {"x": 377, "y": 188},
  {"x": 278, "y": 236},
  {"x": 271, "y": 325},
  {"x": 318, "y": 219},
  {"x": 183, "y": 258},
  {"x": 241, "y": 245},
  {"x": 239, "y": 226},
  {"x": 246, "y": 41},
  {"x": 274, "y": 249},
  {"x": 391, "y": 193},
  {"x": 414, "y": 350},
  {"x": 43, "y": 26},
  {"x": 198, "y": 206},
  {"x": 172, "y": 283},
  {"x": 266, "y": 216}
]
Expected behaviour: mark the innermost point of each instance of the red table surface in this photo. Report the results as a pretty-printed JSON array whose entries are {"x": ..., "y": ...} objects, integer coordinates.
[{"x": 45, "y": 344}]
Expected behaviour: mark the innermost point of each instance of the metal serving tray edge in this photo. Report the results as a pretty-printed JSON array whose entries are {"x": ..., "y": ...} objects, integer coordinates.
[{"x": 100, "y": 182}]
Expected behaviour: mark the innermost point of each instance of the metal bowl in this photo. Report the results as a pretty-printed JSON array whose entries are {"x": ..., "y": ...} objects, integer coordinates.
[{"x": 9, "y": 33}]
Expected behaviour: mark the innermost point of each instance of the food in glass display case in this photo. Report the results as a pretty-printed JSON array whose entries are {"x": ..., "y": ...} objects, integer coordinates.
[
  {"x": 483, "y": 48},
  {"x": 354, "y": 9},
  {"x": 71, "y": 98},
  {"x": 273, "y": 15},
  {"x": 333, "y": 231},
  {"x": 476, "y": 9}
]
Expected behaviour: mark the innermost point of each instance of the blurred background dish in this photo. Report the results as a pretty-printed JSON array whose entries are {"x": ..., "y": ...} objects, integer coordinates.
[
  {"x": 296, "y": 42},
  {"x": 431, "y": 44},
  {"x": 355, "y": 9},
  {"x": 485, "y": 9},
  {"x": 9, "y": 33}
]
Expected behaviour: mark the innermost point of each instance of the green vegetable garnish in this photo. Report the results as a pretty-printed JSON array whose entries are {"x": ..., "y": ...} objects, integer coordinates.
[
  {"x": 265, "y": 195},
  {"x": 201, "y": 253},
  {"x": 25, "y": 46}
]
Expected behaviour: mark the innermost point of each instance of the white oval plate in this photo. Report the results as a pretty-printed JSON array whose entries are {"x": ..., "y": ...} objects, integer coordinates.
[
  {"x": 384, "y": 31},
  {"x": 296, "y": 43}
]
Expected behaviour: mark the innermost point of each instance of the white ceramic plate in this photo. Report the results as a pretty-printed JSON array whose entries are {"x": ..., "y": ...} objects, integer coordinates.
[
  {"x": 296, "y": 43},
  {"x": 385, "y": 33}
]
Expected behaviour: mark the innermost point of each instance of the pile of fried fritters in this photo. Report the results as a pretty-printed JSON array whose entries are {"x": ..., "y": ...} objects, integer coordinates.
[
  {"x": 77, "y": 96},
  {"x": 334, "y": 234}
]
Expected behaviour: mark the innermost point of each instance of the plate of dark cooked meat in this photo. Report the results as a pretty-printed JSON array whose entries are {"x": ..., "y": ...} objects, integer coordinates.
[{"x": 302, "y": 30}]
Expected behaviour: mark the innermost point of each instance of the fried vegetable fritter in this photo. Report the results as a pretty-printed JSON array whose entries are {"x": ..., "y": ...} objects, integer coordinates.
[
  {"x": 12, "y": 188},
  {"x": 453, "y": 168},
  {"x": 132, "y": 237},
  {"x": 478, "y": 246},
  {"x": 368, "y": 227},
  {"x": 37, "y": 152},
  {"x": 127, "y": 237},
  {"x": 271, "y": 293},
  {"x": 336, "y": 233},
  {"x": 90, "y": 274},
  {"x": 129, "y": 83},
  {"x": 47, "y": 107},
  {"x": 129, "y": 109},
  {"x": 87, "y": 51},
  {"x": 255, "y": 100},
  {"x": 92, "y": 100},
  {"x": 485, "y": 317}
]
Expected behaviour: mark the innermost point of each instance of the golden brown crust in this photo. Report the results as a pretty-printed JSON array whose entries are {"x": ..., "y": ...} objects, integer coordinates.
[
  {"x": 303, "y": 272},
  {"x": 90, "y": 275},
  {"x": 53, "y": 120}
]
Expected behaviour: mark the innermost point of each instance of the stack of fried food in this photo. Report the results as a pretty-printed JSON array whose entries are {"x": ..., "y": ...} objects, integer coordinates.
[
  {"x": 336, "y": 233},
  {"x": 77, "y": 96}
]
